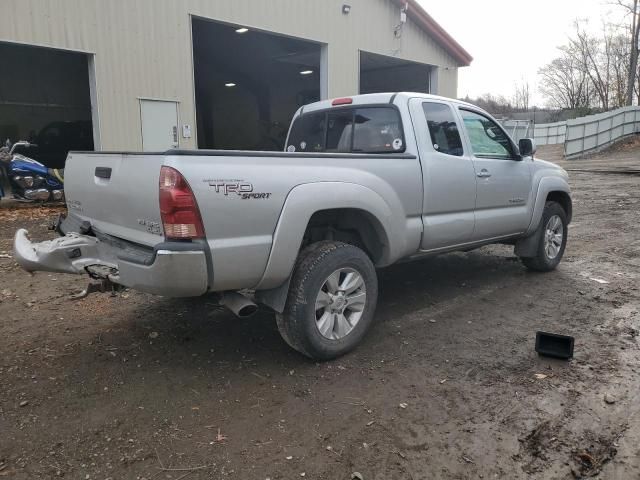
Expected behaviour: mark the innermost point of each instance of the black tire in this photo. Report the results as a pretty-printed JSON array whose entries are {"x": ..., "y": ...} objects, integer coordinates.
[
  {"x": 297, "y": 324},
  {"x": 542, "y": 262}
]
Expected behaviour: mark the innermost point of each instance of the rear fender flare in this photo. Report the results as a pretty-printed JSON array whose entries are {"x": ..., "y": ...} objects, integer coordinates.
[{"x": 305, "y": 200}]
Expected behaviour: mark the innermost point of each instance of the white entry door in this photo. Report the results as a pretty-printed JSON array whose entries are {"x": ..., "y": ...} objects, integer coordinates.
[{"x": 159, "y": 125}]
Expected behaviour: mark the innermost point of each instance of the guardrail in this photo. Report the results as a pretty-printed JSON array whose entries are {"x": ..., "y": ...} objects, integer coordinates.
[{"x": 590, "y": 133}]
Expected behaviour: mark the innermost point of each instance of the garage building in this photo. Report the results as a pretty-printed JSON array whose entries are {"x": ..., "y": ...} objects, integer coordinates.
[{"x": 156, "y": 74}]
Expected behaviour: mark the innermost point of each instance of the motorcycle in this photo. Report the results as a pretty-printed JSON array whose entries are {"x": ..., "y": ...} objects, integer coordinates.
[{"x": 28, "y": 179}]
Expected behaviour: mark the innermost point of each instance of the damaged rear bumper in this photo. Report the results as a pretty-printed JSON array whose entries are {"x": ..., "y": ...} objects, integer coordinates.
[{"x": 171, "y": 269}]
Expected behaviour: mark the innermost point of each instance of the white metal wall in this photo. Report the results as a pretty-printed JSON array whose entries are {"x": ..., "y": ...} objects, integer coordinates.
[
  {"x": 517, "y": 129},
  {"x": 550, "y": 133},
  {"x": 597, "y": 131},
  {"x": 590, "y": 133},
  {"x": 142, "y": 48}
]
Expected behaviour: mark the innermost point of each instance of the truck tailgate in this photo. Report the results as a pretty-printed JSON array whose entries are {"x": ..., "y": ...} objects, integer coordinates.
[{"x": 117, "y": 193}]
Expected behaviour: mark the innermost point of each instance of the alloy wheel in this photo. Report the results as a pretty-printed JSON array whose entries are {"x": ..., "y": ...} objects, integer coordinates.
[{"x": 340, "y": 303}]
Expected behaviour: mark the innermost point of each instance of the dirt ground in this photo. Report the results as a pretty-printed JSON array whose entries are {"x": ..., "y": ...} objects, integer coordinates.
[{"x": 447, "y": 385}]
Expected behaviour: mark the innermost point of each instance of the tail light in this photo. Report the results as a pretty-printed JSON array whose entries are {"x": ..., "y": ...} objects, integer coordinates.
[{"x": 178, "y": 207}]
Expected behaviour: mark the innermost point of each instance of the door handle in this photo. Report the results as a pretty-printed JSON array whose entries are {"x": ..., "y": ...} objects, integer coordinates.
[{"x": 484, "y": 173}]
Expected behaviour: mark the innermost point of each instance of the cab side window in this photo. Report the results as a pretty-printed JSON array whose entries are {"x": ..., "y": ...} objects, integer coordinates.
[
  {"x": 487, "y": 139},
  {"x": 443, "y": 129}
]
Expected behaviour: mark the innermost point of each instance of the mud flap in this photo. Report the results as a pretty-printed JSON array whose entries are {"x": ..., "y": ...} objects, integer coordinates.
[
  {"x": 528, "y": 246},
  {"x": 275, "y": 298}
]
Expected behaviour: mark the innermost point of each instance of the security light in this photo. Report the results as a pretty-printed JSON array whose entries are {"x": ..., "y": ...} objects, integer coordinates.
[
  {"x": 346, "y": 9},
  {"x": 230, "y": 84},
  {"x": 306, "y": 72},
  {"x": 242, "y": 30}
]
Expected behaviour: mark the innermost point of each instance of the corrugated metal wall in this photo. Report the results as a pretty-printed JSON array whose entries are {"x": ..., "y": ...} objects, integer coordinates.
[
  {"x": 590, "y": 133},
  {"x": 143, "y": 48}
]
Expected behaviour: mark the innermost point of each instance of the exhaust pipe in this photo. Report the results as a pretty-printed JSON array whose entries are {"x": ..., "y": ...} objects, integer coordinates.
[
  {"x": 57, "y": 195},
  {"x": 41, "y": 194},
  {"x": 240, "y": 305}
]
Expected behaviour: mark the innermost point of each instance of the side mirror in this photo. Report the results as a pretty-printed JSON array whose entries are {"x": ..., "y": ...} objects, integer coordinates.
[{"x": 527, "y": 147}]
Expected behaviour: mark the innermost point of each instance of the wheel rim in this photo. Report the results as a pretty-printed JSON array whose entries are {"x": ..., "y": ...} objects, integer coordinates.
[
  {"x": 553, "y": 236},
  {"x": 340, "y": 303}
]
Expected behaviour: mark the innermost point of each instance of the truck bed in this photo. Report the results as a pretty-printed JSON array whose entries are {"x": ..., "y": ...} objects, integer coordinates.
[{"x": 241, "y": 196}]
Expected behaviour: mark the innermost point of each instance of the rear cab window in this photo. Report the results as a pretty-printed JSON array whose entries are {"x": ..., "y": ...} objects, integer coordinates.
[{"x": 374, "y": 129}]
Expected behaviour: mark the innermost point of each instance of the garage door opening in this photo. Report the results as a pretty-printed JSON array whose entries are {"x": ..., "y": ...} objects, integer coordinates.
[
  {"x": 380, "y": 73},
  {"x": 45, "y": 99},
  {"x": 249, "y": 84}
]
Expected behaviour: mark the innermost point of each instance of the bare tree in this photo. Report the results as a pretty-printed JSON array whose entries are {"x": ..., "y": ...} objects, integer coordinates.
[
  {"x": 522, "y": 96},
  {"x": 620, "y": 54},
  {"x": 633, "y": 34},
  {"x": 603, "y": 62},
  {"x": 600, "y": 70},
  {"x": 594, "y": 57},
  {"x": 495, "y": 104},
  {"x": 564, "y": 81}
]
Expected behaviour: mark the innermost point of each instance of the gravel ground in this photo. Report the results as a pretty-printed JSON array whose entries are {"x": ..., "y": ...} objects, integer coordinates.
[{"x": 447, "y": 385}]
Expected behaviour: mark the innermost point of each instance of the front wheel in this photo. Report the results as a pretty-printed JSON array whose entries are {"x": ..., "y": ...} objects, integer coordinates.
[
  {"x": 331, "y": 301},
  {"x": 552, "y": 240}
]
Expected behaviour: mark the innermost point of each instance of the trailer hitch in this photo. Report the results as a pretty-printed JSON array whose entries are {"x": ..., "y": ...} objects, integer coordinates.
[
  {"x": 99, "y": 286},
  {"x": 101, "y": 282}
]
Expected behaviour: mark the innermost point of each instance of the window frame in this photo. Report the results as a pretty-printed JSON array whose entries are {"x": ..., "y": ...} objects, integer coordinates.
[
  {"x": 337, "y": 112},
  {"x": 353, "y": 108},
  {"x": 514, "y": 152},
  {"x": 456, "y": 118}
]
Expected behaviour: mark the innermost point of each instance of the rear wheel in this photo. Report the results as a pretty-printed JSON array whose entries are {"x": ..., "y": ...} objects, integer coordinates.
[
  {"x": 552, "y": 240},
  {"x": 331, "y": 301}
]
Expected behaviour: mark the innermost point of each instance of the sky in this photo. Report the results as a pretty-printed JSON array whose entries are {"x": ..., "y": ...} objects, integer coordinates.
[{"x": 511, "y": 39}]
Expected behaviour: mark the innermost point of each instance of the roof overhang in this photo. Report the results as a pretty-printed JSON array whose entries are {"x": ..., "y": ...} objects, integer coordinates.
[{"x": 429, "y": 25}]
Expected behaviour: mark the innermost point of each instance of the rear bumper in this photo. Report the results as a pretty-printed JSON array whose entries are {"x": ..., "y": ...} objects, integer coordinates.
[
  {"x": 172, "y": 270},
  {"x": 172, "y": 274}
]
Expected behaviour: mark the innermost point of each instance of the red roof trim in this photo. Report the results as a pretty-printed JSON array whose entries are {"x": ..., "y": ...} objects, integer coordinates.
[{"x": 429, "y": 25}]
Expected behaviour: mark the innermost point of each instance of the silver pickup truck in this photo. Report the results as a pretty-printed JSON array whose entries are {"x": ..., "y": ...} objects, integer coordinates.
[{"x": 365, "y": 182}]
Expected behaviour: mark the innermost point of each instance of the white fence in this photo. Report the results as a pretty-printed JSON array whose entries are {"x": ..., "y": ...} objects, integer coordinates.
[
  {"x": 590, "y": 133},
  {"x": 550, "y": 133},
  {"x": 517, "y": 128}
]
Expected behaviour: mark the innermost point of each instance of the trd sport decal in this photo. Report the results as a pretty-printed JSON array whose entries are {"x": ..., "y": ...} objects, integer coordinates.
[{"x": 241, "y": 188}]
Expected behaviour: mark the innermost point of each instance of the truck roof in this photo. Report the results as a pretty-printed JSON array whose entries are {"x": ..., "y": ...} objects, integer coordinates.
[{"x": 377, "y": 99}]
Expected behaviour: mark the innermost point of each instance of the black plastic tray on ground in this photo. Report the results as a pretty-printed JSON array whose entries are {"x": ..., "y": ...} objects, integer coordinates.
[{"x": 554, "y": 345}]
